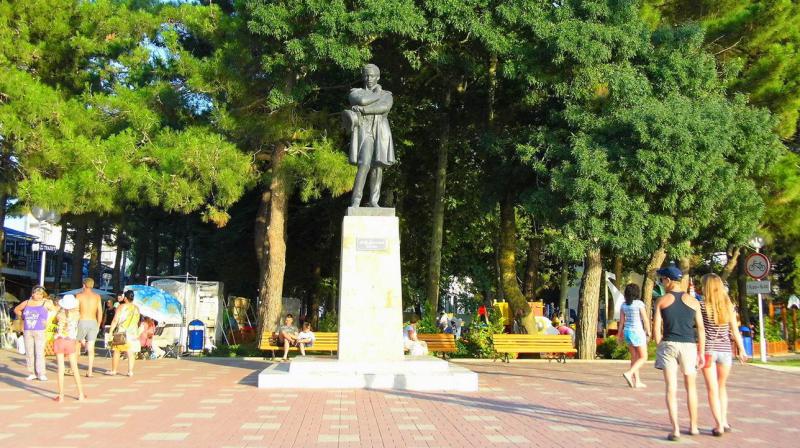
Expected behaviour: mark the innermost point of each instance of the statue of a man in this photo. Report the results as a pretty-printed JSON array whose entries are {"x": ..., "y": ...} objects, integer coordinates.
[{"x": 371, "y": 146}]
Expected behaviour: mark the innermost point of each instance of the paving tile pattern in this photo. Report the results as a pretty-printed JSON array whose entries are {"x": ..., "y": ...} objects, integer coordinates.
[{"x": 215, "y": 403}]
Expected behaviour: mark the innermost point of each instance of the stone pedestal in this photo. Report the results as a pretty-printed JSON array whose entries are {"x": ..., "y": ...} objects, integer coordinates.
[
  {"x": 370, "y": 290},
  {"x": 370, "y": 322}
]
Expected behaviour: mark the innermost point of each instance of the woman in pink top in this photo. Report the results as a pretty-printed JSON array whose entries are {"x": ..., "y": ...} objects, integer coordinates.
[{"x": 65, "y": 343}]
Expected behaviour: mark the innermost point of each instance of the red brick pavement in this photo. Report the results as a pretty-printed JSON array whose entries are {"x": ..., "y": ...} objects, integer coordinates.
[{"x": 215, "y": 403}]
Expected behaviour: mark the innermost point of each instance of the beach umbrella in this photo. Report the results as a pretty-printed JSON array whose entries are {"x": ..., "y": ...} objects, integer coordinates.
[
  {"x": 100, "y": 292},
  {"x": 156, "y": 303}
]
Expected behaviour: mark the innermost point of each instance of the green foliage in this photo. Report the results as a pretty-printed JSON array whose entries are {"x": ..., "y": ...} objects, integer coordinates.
[
  {"x": 477, "y": 342},
  {"x": 772, "y": 331},
  {"x": 237, "y": 350},
  {"x": 329, "y": 323},
  {"x": 757, "y": 42},
  {"x": 615, "y": 348}
]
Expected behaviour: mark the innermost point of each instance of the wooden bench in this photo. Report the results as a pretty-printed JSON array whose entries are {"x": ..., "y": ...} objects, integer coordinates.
[
  {"x": 439, "y": 343},
  {"x": 324, "y": 342},
  {"x": 556, "y": 346}
]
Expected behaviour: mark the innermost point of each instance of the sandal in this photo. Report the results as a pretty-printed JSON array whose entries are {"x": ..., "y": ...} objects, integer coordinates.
[
  {"x": 672, "y": 437},
  {"x": 716, "y": 433},
  {"x": 696, "y": 432},
  {"x": 628, "y": 379},
  {"x": 110, "y": 373},
  {"x": 58, "y": 399}
]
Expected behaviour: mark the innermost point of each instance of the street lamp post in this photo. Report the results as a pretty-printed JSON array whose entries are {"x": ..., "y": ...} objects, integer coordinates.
[{"x": 46, "y": 218}]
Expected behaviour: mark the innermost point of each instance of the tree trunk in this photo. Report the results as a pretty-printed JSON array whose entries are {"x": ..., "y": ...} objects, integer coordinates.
[
  {"x": 316, "y": 293},
  {"x": 78, "y": 250},
  {"x": 3, "y": 202},
  {"x": 141, "y": 257},
  {"x": 172, "y": 249},
  {"x": 519, "y": 307},
  {"x": 437, "y": 227},
  {"x": 156, "y": 248},
  {"x": 532, "y": 268},
  {"x": 656, "y": 260},
  {"x": 96, "y": 252},
  {"x": 619, "y": 282},
  {"x": 589, "y": 305},
  {"x": 730, "y": 266},
  {"x": 116, "y": 281},
  {"x": 59, "y": 260},
  {"x": 271, "y": 292},
  {"x": 744, "y": 312},
  {"x": 566, "y": 272}
]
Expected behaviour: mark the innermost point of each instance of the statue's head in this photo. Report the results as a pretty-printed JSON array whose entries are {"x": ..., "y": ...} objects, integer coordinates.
[{"x": 371, "y": 74}]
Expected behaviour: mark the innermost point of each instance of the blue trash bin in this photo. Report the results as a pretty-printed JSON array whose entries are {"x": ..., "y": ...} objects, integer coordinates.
[
  {"x": 196, "y": 335},
  {"x": 747, "y": 340}
]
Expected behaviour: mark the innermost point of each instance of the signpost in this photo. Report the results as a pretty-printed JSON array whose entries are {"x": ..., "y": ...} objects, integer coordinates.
[{"x": 757, "y": 266}]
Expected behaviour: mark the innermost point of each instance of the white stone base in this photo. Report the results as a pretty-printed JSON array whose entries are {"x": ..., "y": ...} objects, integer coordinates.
[{"x": 424, "y": 373}]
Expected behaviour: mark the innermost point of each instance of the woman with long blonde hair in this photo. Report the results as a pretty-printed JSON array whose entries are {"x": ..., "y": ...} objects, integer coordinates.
[{"x": 719, "y": 319}]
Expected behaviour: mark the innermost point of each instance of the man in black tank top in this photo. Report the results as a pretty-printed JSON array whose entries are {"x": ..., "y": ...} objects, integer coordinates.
[{"x": 679, "y": 333}]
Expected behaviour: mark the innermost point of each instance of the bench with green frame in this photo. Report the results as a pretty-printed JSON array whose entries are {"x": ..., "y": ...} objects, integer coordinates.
[{"x": 554, "y": 346}]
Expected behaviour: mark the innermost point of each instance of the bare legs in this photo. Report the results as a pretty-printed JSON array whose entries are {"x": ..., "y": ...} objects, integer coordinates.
[
  {"x": 722, "y": 382},
  {"x": 638, "y": 358},
  {"x": 90, "y": 353},
  {"x": 131, "y": 359},
  {"x": 286, "y": 345},
  {"x": 690, "y": 383},
  {"x": 73, "y": 363},
  {"x": 710, "y": 375},
  {"x": 671, "y": 382},
  {"x": 302, "y": 346},
  {"x": 114, "y": 362}
]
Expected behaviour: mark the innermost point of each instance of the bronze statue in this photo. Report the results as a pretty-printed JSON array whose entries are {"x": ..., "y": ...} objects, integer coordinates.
[{"x": 371, "y": 146}]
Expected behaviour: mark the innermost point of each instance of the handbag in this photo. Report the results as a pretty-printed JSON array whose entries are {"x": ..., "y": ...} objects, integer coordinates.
[
  {"x": 17, "y": 326},
  {"x": 119, "y": 339}
]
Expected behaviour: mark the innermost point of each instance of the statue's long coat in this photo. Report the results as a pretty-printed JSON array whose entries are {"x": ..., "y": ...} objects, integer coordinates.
[{"x": 374, "y": 119}]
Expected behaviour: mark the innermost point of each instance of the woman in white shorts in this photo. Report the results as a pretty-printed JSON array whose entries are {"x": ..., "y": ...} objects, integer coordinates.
[
  {"x": 636, "y": 331},
  {"x": 719, "y": 319}
]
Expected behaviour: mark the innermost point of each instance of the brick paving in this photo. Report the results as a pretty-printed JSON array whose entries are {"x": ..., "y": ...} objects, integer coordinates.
[{"x": 215, "y": 403}]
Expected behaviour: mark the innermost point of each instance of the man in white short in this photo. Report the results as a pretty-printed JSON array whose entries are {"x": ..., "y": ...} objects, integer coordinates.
[{"x": 679, "y": 333}]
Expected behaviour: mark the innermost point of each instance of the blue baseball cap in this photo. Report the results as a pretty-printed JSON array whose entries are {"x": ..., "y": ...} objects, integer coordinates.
[{"x": 671, "y": 272}]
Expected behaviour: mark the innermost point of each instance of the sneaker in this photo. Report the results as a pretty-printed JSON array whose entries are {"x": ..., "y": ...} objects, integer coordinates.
[
  {"x": 31, "y": 377},
  {"x": 43, "y": 378}
]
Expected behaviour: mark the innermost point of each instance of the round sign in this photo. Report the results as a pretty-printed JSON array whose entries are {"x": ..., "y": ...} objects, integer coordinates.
[{"x": 757, "y": 266}]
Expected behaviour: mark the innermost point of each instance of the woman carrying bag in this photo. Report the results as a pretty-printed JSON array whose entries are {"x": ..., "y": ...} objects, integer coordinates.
[
  {"x": 34, "y": 313},
  {"x": 125, "y": 333}
]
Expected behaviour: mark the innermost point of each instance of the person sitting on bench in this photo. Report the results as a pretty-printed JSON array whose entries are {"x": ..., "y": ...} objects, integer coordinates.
[{"x": 287, "y": 335}]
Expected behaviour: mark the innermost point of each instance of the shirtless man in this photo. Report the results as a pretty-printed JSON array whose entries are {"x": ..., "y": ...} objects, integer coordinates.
[{"x": 89, "y": 324}]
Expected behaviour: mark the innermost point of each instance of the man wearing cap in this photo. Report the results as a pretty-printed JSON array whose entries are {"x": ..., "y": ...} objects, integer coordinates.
[{"x": 679, "y": 333}]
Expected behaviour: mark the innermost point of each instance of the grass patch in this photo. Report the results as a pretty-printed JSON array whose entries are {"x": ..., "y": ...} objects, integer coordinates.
[{"x": 781, "y": 362}]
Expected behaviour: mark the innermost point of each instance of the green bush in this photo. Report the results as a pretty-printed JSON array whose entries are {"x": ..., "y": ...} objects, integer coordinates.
[
  {"x": 613, "y": 348},
  {"x": 237, "y": 350},
  {"x": 329, "y": 323},
  {"x": 477, "y": 342},
  {"x": 772, "y": 330}
]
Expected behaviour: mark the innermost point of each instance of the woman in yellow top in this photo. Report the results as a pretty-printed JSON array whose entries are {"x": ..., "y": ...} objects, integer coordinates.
[{"x": 126, "y": 320}]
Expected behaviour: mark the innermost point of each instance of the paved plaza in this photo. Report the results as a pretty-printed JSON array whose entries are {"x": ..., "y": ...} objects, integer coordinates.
[{"x": 215, "y": 403}]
